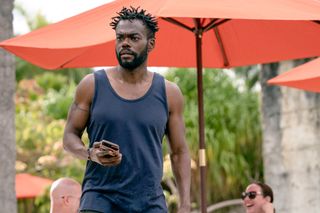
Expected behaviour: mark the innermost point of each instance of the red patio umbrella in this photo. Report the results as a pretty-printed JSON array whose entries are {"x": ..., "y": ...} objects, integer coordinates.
[
  {"x": 306, "y": 77},
  {"x": 30, "y": 186},
  {"x": 234, "y": 33}
]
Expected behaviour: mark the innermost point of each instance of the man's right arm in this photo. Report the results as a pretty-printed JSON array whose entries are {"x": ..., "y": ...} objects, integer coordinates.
[
  {"x": 77, "y": 118},
  {"x": 76, "y": 123}
]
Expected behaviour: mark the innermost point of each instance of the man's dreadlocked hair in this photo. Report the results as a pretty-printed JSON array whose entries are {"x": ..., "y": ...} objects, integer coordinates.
[{"x": 133, "y": 13}]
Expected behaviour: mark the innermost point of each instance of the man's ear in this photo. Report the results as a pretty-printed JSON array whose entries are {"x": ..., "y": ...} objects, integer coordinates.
[
  {"x": 66, "y": 200},
  {"x": 268, "y": 198},
  {"x": 151, "y": 44}
]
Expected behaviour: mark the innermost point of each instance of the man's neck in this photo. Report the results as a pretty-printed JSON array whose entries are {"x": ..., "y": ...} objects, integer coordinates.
[{"x": 132, "y": 76}]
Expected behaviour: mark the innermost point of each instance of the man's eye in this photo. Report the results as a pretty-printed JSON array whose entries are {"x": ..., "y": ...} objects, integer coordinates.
[
  {"x": 134, "y": 38},
  {"x": 119, "y": 38}
]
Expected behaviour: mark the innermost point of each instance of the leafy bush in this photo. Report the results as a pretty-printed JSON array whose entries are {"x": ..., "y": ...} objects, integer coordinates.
[
  {"x": 232, "y": 132},
  {"x": 50, "y": 80},
  {"x": 56, "y": 103}
]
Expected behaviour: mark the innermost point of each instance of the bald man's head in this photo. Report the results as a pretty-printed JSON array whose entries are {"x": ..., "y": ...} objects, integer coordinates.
[{"x": 65, "y": 196}]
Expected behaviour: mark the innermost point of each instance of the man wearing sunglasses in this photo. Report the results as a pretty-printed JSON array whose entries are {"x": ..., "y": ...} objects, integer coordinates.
[{"x": 258, "y": 198}]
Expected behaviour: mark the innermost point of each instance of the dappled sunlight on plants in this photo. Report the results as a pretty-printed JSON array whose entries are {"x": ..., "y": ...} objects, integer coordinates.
[
  {"x": 169, "y": 185},
  {"x": 39, "y": 135},
  {"x": 42, "y": 101},
  {"x": 20, "y": 166},
  {"x": 41, "y": 109},
  {"x": 232, "y": 131},
  {"x": 46, "y": 161}
]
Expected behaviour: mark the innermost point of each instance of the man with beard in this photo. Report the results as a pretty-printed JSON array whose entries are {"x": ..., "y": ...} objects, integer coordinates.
[{"x": 134, "y": 109}]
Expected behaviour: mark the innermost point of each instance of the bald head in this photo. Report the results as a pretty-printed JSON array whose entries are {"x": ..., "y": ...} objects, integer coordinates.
[{"x": 65, "y": 196}]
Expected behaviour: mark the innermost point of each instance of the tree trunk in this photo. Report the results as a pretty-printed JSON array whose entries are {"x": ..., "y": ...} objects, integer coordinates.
[
  {"x": 291, "y": 143},
  {"x": 7, "y": 114}
]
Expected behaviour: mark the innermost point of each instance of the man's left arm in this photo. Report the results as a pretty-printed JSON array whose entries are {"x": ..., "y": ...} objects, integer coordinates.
[{"x": 179, "y": 152}]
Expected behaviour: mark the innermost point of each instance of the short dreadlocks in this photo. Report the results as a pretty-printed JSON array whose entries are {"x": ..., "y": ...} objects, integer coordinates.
[{"x": 135, "y": 13}]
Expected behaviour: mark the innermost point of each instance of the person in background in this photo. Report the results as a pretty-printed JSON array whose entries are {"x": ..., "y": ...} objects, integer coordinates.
[
  {"x": 65, "y": 196},
  {"x": 258, "y": 198},
  {"x": 133, "y": 108}
]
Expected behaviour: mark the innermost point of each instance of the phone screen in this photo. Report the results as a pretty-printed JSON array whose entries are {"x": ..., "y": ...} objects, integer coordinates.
[{"x": 110, "y": 145}]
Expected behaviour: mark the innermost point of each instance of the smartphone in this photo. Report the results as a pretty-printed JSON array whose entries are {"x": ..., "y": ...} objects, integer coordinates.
[{"x": 109, "y": 145}]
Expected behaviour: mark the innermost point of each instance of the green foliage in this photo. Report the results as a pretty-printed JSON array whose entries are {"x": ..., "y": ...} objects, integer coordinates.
[
  {"x": 56, "y": 104},
  {"x": 39, "y": 131},
  {"x": 42, "y": 203},
  {"x": 232, "y": 132},
  {"x": 42, "y": 101},
  {"x": 50, "y": 80},
  {"x": 249, "y": 75},
  {"x": 59, "y": 97},
  {"x": 25, "y": 70}
]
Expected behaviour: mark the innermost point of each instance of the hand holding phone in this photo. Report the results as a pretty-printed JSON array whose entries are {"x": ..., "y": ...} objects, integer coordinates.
[
  {"x": 108, "y": 149},
  {"x": 106, "y": 153},
  {"x": 109, "y": 145}
]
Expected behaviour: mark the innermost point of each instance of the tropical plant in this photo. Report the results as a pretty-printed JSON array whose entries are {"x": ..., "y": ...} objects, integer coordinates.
[
  {"x": 40, "y": 121},
  {"x": 42, "y": 101},
  {"x": 232, "y": 131}
]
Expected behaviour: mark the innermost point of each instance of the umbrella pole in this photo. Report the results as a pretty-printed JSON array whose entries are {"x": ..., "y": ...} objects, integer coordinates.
[{"x": 202, "y": 153}]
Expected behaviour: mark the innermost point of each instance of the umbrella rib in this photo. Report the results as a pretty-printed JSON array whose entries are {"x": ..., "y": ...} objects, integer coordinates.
[
  {"x": 63, "y": 65},
  {"x": 212, "y": 24},
  {"x": 316, "y": 21},
  {"x": 203, "y": 21},
  {"x": 198, "y": 29},
  {"x": 176, "y": 22},
  {"x": 223, "y": 51}
]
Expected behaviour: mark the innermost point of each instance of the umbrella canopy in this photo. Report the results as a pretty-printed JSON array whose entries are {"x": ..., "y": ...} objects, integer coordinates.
[
  {"x": 306, "y": 77},
  {"x": 30, "y": 186},
  {"x": 239, "y": 33}
]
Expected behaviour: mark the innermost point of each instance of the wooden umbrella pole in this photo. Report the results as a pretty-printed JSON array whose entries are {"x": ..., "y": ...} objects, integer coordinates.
[
  {"x": 198, "y": 30},
  {"x": 202, "y": 156}
]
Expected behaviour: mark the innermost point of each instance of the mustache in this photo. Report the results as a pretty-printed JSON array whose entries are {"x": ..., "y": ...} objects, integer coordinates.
[{"x": 126, "y": 51}]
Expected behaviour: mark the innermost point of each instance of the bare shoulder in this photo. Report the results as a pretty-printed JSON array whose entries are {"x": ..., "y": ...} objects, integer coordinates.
[
  {"x": 86, "y": 84},
  {"x": 87, "y": 81},
  {"x": 85, "y": 90},
  {"x": 172, "y": 88},
  {"x": 174, "y": 95}
]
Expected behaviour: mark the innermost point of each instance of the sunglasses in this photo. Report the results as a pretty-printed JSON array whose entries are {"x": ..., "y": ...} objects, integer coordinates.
[{"x": 251, "y": 195}]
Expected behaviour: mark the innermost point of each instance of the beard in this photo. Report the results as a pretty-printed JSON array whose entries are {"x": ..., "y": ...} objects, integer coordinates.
[{"x": 138, "y": 59}]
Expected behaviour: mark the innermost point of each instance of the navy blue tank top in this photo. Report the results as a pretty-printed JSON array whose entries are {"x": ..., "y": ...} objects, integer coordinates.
[{"x": 138, "y": 127}]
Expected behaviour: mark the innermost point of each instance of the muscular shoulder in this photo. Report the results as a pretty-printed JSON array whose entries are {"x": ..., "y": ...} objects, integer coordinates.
[
  {"x": 172, "y": 88},
  {"x": 85, "y": 91},
  {"x": 174, "y": 96},
  {"x": 87, "y": 81}
]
